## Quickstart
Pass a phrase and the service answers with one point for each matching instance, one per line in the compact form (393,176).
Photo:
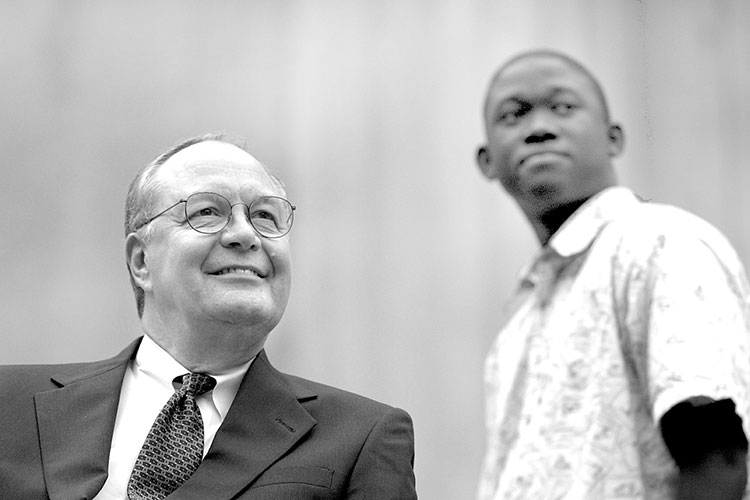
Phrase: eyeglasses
(209,213)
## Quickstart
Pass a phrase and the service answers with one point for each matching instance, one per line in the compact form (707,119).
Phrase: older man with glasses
(194,409)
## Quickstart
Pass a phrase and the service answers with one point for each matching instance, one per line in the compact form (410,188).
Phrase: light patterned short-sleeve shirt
(629,309)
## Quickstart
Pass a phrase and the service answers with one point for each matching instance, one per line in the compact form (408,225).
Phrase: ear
(616,139)
(484,162)
(137,261)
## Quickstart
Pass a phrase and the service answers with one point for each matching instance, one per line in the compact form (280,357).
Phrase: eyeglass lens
(271,216)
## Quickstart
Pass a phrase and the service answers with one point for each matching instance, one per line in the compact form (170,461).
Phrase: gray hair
(141,199)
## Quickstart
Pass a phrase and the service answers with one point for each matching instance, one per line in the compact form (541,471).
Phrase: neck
(207,349)
(551,219)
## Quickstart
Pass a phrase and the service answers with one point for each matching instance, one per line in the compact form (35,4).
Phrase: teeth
(237,270)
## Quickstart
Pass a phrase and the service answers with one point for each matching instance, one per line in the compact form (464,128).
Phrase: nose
(540,128)
(239,233)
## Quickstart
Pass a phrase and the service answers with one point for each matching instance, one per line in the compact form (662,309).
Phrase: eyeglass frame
(229,218)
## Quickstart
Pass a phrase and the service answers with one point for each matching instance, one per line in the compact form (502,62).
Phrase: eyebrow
(521,99)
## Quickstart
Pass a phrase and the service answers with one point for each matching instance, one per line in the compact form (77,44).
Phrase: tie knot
(196,384)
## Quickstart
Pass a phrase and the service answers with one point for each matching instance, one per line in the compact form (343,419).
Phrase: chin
(540,194)
(245,312)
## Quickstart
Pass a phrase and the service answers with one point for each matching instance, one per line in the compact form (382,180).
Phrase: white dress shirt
(146,388)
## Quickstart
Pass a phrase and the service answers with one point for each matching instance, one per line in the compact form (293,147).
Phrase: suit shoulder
(356,404)
(16,378)
(21,376)
(37,377)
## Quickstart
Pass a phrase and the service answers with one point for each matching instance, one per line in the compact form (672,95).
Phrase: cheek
(179,263)
(502,159)
(281,260)
(171,275)
(593,138)
(502,148)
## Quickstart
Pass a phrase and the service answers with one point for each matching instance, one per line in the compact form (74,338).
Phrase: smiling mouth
(238,270)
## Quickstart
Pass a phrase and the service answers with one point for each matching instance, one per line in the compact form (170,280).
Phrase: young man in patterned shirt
(624,370)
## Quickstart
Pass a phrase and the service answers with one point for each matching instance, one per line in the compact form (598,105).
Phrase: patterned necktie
(174,446)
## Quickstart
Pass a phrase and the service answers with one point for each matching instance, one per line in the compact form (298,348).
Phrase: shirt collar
(579,232)
(153,361)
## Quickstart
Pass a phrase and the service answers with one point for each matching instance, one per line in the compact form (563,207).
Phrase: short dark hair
(141,198)
(567,60)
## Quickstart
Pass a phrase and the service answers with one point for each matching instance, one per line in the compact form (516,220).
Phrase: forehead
(539,76)
(216,166)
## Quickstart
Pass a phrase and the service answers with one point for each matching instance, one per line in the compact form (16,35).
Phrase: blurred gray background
(370,110)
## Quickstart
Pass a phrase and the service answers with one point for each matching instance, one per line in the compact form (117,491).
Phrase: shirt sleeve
(697,341)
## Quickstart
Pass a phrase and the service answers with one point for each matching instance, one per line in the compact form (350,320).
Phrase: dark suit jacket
(283,438)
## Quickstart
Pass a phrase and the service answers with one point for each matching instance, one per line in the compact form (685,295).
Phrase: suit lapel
(75,425)
(263,423)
